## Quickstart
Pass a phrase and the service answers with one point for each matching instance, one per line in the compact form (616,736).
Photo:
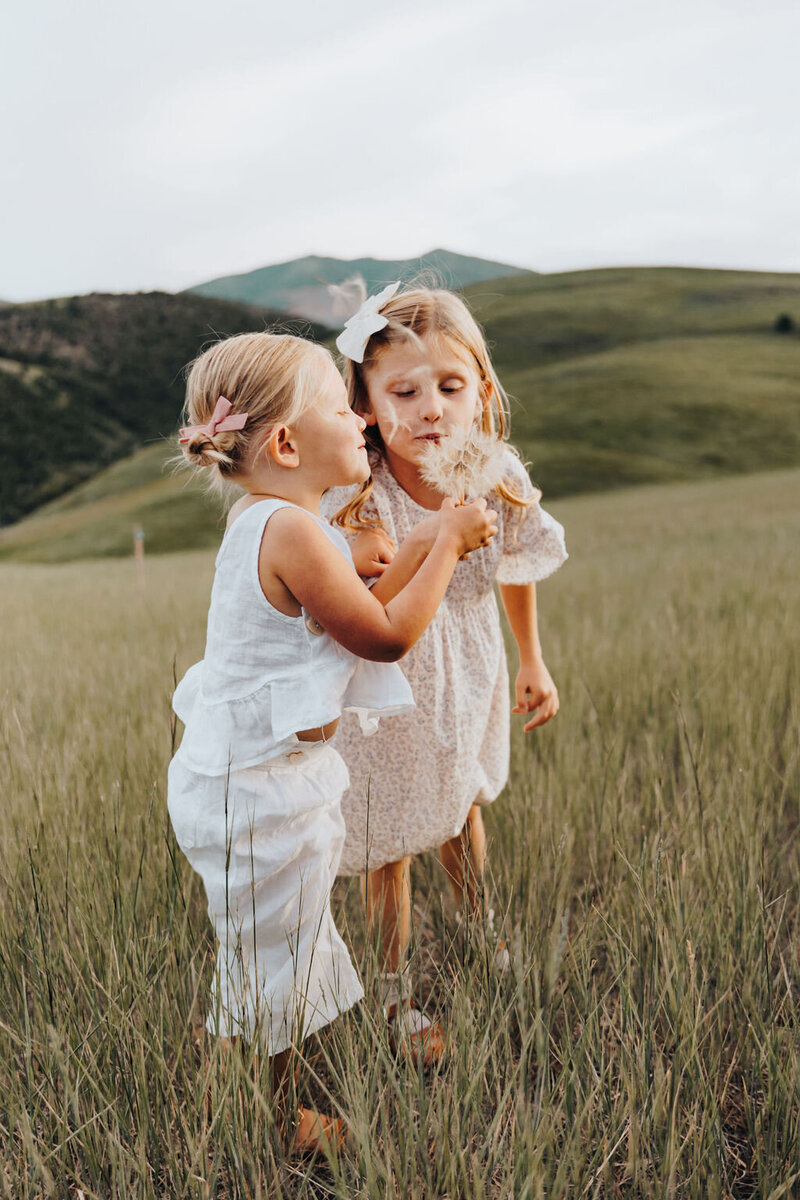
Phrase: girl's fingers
(541,718)
(544,706)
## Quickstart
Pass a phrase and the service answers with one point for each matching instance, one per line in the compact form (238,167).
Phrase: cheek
(469,409)
(389,420)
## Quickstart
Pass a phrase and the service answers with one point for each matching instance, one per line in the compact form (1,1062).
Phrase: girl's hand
(535,692)
(473,525)
(425,531)
(372,551)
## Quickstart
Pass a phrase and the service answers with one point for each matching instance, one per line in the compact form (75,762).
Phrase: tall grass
(644,865)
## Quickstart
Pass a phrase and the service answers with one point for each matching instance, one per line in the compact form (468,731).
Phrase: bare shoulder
(294,550)
(292,531)
(293,521)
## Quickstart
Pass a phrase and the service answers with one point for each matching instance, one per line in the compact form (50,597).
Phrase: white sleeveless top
(266,675)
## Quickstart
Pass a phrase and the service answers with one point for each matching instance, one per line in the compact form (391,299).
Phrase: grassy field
(644,864)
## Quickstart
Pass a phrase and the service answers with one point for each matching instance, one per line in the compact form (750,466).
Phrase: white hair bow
(352,341)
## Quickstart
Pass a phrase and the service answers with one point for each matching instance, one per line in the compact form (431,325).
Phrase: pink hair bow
(219,423)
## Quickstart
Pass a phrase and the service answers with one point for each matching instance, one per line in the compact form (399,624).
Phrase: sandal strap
(397,997)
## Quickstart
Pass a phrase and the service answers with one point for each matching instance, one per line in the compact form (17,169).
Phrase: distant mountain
(617,377)
(298,287)
(86,380)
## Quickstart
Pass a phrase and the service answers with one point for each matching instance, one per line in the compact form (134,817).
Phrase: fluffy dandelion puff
(466,463)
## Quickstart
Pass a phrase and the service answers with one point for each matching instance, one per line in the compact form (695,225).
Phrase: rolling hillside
(298,286)
(86,380)
(646,374)
(617,377)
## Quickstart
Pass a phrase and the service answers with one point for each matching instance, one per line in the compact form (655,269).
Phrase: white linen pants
(266,842)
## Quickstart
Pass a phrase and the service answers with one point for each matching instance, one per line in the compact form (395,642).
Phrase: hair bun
(202,451)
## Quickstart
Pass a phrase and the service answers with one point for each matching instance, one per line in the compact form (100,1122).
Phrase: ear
(280,446)
(365,411)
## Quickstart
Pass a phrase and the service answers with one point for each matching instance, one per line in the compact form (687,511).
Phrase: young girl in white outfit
(255,787)
(418,371)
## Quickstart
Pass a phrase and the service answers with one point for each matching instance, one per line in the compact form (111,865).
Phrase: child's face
(419,393)
(330,436)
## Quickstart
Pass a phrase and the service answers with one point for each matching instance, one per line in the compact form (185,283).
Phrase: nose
(431,405)
(362,424)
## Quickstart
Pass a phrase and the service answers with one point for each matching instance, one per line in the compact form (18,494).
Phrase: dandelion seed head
(467,463)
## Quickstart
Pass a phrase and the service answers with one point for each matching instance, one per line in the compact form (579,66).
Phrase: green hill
(298,286)
(87,379)
(97,519)
(542,318)
(646,374)
(617,377)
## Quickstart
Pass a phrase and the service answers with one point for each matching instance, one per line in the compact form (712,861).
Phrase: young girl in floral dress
(418,371)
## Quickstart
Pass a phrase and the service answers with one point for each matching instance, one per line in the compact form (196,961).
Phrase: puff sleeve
(533,541)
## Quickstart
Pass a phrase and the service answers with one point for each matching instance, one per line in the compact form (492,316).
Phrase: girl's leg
(313,1130)
(388,898)
(464,860)
(310,1131)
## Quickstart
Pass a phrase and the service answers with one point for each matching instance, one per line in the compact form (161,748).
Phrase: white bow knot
(352,341)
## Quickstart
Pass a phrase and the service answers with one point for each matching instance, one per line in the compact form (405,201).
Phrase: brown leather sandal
(315,1133)
(413,1036)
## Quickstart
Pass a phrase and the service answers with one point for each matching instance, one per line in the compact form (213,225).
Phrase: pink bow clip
(219,423)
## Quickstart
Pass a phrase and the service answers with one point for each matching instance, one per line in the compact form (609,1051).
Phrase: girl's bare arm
(407,560)
(533,687)
(297,553)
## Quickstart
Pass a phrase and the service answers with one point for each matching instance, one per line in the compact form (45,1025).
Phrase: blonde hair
(412,315)
(273,377)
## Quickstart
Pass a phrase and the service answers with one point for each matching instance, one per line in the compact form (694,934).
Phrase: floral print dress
(413,782)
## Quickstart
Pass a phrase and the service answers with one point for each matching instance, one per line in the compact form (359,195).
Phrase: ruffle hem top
(265,675)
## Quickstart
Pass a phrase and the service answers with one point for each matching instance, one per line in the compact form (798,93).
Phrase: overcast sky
(162,143)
